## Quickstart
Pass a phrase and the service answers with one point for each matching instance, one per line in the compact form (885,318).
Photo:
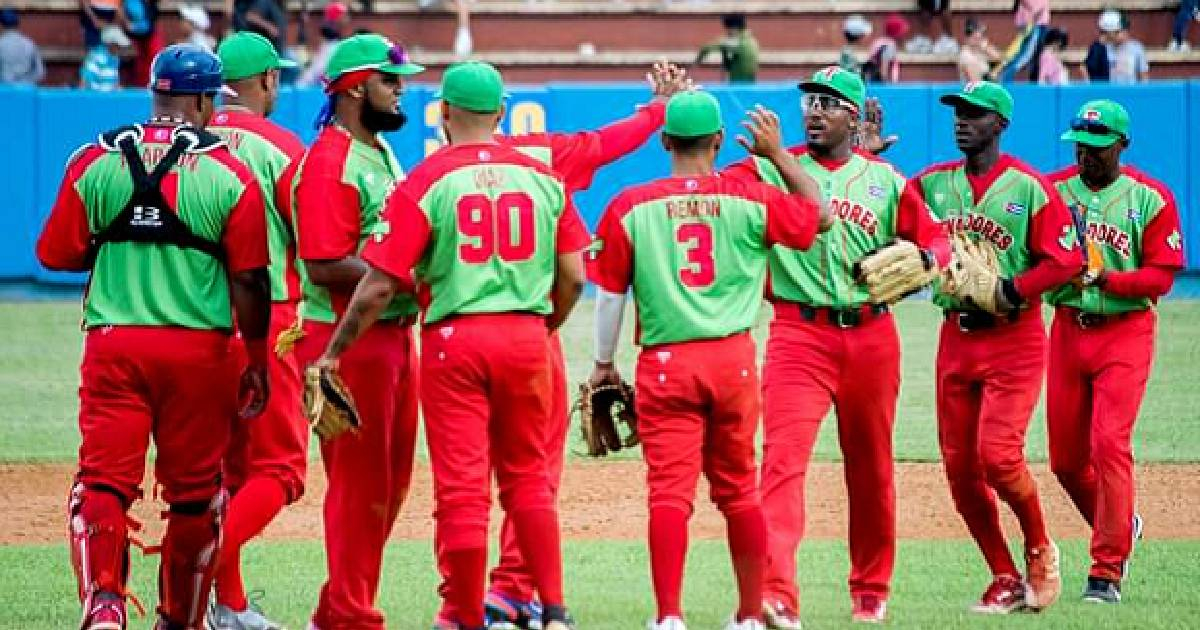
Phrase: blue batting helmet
(186,69)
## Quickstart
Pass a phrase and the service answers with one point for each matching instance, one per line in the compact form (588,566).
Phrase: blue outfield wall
(46,125)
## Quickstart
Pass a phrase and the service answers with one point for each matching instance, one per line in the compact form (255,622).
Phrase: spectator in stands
(1188,10)
(1096,66)
(883,64)
(1032,18)
(463,43)
(855,29)
(923,42)
(738,49)
(1048,66)
(20,59)
(101,69)
(1126,55)
(978,56)
(195,25)
(335,25)
(265,17)
(94,15)
(147,39)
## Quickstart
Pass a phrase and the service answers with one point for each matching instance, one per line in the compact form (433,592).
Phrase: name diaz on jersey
(983,226)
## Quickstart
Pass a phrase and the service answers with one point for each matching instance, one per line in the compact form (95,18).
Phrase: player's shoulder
(938,167)
(1063,174)
(1145,180)
(332,145)
(1033,177)
(282,138)
(636,195)
(83,157)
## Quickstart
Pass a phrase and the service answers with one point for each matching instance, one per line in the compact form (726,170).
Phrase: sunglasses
(1091,126)
(825,103)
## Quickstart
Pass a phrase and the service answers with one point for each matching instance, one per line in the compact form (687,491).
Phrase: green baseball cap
(1099,124)
(692,114)
(369,52)
(984,95)
(246,54)
(838,82)
(475,86)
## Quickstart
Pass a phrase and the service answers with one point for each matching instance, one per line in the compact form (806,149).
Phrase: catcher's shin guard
(99,538)
(189,561)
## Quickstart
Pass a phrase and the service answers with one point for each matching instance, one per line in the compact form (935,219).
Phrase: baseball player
(1102,338)
(830,345)
(989,366)
(146,203)
(693,248)
(340,188)
(575,158)
(266,462)
(495,239)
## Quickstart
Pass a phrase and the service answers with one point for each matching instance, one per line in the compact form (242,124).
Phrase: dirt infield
(606,500)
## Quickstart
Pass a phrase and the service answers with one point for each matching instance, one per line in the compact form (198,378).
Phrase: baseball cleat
(780,617)
(1137,535)
(745,624)
(869,608)
(107,613)
(1042,580)
(1006,594)
(1102,591)
(668,623)
(505,613)
(222,617)
(557,618)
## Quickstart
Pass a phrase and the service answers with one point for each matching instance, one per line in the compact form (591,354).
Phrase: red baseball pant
(698,408)
(987,385)
(811,366)
(178,387)
(488,377)
(1097,380)
(266,461)
(368,472)
(511,578)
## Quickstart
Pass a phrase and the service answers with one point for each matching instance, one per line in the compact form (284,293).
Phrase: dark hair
(853,38)
(688,144)
(734,20)
(972,26)
(9,17)
(1053,36)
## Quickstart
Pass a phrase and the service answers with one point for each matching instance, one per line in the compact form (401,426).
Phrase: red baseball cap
(335,11)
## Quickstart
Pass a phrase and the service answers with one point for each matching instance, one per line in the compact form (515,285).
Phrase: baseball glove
(328,404)
(895,271)
(601,409)
(974,273)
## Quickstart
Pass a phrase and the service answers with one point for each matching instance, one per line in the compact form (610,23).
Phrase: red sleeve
(791,220)
(743,170)
(1053,264)
(572,234)
(577,156)
(396,255)
(328,212)
(245,237)
(915,222)
(1162,257)
(63,244)
(283,192)
(1150,282)
(610,265)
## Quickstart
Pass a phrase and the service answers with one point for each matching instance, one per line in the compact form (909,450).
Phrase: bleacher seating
(540,40)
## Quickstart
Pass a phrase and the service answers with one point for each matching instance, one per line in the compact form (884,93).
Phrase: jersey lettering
(984,226)
(701,269)
(1111,235)
(855,213)
(504,227)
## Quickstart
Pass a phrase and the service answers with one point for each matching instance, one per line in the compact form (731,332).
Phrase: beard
(377,120)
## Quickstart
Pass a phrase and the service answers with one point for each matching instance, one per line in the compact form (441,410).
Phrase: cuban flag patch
(1013,207)
(1134,214)
(874,191)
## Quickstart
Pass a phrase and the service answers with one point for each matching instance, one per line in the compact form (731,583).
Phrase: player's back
(493,216)
(157,284)
(698,249)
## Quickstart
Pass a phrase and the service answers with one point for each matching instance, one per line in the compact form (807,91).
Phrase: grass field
(608,581)
(39,376)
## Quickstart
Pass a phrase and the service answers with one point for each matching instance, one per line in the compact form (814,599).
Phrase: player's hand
(667,79)
(604,374)
(871,128)
(766,137)
(253,392)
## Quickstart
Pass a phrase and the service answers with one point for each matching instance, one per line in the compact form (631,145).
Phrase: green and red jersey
(339,192)
(480,226)
(1135,223)
(872,205)
(575,157)
(695,251)
(1017,210)
(269,151)
(153,284)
